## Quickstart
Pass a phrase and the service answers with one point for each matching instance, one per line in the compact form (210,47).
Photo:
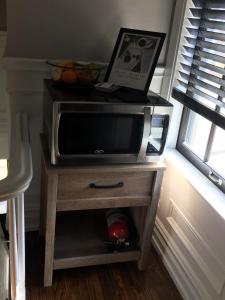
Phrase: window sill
(199,182)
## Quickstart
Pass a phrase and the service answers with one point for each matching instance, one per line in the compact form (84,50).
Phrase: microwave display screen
(99,133)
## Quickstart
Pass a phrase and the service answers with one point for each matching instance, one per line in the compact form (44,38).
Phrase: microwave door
(98,134)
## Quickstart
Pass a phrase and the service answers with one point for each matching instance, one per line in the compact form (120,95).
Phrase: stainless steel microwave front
(55,109)
(60,108)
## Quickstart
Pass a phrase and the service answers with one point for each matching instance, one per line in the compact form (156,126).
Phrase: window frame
(200,164)
(177,129)
(195,106)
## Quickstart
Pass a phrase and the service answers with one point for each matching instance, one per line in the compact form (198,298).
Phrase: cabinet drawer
(104,185)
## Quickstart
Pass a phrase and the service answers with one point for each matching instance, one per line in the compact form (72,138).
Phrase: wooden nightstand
(73,215)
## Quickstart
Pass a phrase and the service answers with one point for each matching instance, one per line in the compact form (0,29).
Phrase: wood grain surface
(95,187)
(50,227)
(134,183)
(106,282)
(106,202)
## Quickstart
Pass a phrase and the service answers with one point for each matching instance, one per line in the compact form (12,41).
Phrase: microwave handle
(165,132)
(145,136)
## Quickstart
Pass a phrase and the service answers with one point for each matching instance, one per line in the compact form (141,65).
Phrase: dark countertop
(62,92)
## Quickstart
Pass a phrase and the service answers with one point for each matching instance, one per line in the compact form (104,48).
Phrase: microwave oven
(95,127)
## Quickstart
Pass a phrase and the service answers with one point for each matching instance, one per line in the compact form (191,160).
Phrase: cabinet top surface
(60,93)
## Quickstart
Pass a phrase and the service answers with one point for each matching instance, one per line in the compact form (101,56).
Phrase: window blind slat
(209,3)
(211,24)
(194,22)
(203,44)
(193,31)
(197,63)
(183,84)
(207,86)
(189,59)
(207,55)
(192,91)
(189,50)
(212,14)
(186,68)
(191,41)
(208,76)
(183,75)
(196,12)
(211,46)
(211,35)
(203,33)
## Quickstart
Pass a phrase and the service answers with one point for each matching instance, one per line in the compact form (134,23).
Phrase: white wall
(190,225)
(85,30)
(189,231)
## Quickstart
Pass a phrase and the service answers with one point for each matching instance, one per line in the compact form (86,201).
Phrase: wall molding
(173,250)
(197,248)
(34,64)
(173,265)
(176,264)
(34,70)
(25,64)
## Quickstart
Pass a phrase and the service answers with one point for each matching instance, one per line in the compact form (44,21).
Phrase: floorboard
(107,282)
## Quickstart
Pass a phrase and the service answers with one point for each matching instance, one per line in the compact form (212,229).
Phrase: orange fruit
(69,76)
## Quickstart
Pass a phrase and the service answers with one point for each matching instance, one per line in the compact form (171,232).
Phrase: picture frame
(134,59)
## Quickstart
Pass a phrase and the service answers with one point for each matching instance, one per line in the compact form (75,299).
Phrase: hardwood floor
(107,282)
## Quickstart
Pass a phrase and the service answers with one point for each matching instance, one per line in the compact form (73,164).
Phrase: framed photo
(134,59)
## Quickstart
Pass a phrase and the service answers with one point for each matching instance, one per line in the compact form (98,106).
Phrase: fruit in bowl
(85,77)
(74,73)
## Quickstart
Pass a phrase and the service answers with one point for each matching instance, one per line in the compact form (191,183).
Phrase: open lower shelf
(79,241)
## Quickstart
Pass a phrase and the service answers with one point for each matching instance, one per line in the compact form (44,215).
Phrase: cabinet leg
(149,222)
(50,228)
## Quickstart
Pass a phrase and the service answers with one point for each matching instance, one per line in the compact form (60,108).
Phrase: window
(201,88)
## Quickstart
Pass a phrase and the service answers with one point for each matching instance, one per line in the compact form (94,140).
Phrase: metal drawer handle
(108,186)
(215,178)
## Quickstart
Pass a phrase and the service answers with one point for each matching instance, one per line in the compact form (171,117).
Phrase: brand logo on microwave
(99,151)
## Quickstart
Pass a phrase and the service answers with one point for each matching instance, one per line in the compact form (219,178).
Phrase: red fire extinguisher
(118,228)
